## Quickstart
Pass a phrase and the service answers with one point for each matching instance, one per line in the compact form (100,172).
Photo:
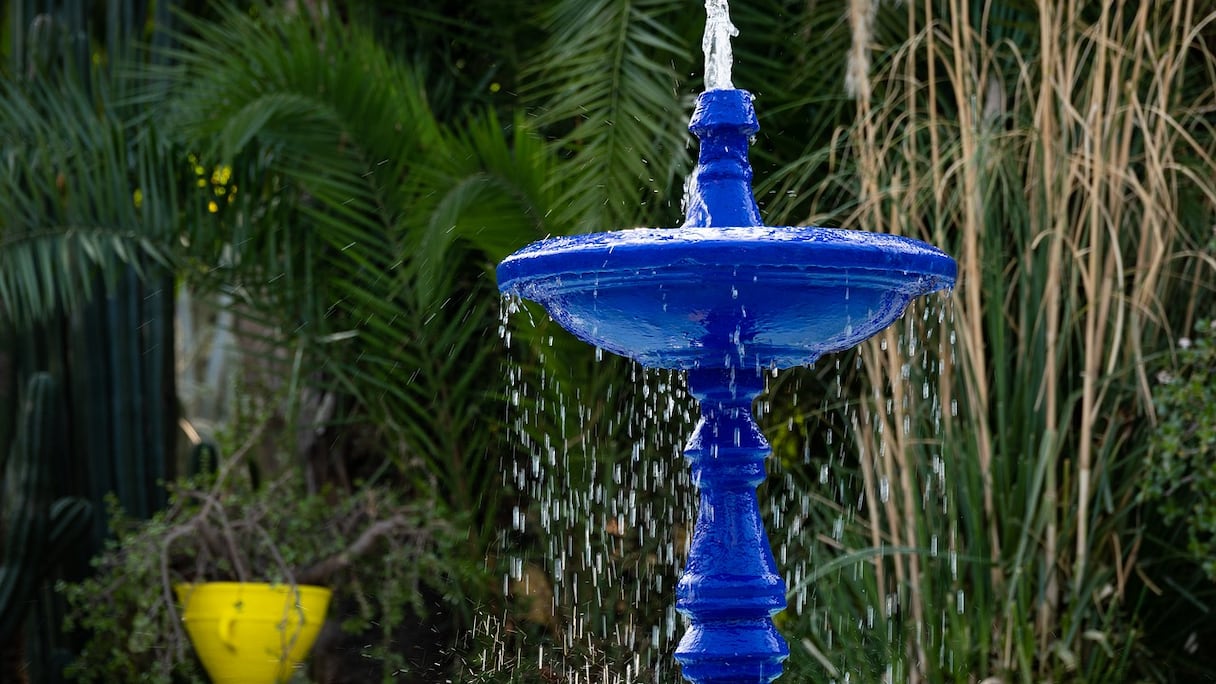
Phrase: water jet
(726,299)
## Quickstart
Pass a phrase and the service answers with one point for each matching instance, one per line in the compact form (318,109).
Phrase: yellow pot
(252,633)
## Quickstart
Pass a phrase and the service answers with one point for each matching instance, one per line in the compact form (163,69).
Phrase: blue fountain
(726,299)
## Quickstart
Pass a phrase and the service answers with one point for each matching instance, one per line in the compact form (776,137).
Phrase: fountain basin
(737,297)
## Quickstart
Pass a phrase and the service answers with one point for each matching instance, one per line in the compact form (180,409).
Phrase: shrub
(1181,476)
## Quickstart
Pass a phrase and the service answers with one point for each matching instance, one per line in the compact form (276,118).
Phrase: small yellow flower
(138,198)
(213,207)
(221,175)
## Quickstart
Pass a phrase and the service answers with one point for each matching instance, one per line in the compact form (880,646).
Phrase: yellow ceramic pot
(252,633)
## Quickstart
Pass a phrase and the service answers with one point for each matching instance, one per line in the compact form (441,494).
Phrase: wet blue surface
(750,297)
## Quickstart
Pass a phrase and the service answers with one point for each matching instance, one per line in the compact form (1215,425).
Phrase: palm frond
(81,191)
(363,228)
(490,188)
(792,55)
(318,139)
(607,86)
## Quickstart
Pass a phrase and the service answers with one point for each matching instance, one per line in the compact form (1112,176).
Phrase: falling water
(605,505)
(716,45)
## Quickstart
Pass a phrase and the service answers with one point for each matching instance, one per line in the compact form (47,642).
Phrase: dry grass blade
(1052,152)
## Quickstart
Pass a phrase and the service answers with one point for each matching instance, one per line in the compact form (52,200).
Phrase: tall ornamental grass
(1063,152)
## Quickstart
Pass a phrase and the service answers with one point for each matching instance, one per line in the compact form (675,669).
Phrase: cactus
(36,527)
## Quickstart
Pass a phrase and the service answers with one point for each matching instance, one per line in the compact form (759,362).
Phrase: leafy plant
(365,227)
(605,81)
(1180,479)
(86,189)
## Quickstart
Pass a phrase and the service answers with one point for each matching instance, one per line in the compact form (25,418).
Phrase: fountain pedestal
(730,588)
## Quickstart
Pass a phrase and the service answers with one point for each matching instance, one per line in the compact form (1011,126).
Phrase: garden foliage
(1181,476)
(978,495)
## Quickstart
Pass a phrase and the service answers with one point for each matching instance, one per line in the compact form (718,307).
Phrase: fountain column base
(730,588)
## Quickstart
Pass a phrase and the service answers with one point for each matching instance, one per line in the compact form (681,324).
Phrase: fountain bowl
(735,297)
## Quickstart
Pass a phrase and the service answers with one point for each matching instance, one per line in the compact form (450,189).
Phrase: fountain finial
(718,193)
